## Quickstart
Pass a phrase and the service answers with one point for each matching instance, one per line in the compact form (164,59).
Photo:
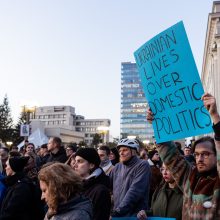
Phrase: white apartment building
(62,121)
(211,60)
(92,126)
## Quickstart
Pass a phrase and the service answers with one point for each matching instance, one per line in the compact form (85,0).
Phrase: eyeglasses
(204,155)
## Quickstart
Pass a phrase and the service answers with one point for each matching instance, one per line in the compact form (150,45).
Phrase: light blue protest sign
(148,218)
(172,85)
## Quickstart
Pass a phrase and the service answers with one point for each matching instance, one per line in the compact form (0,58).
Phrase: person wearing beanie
(95,182)
(18,202)
(154,162)
(130,180)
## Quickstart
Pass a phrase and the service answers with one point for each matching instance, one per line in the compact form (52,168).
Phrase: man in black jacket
(57,151)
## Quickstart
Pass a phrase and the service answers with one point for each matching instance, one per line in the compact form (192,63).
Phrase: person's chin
(201,168)
(123,159)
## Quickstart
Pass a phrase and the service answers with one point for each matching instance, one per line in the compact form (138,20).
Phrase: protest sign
(24,130)
(172,85)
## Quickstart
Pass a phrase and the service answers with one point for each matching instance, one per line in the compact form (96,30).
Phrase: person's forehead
(30,145)
(124,148)
(204,146)
(50,140)
(101,151)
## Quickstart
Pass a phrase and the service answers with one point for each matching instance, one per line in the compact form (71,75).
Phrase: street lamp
(131,137)
(28,113)
(9,143)
(104,131)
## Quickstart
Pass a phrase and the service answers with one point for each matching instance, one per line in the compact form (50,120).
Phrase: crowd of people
(56,182)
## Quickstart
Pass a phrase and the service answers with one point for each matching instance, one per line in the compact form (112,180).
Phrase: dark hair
(57,140)
(14,154)
(43,146)
(31,144)
(5,149)
(105,148)
(202,140)
(114,150)
(73,147)
(14,147)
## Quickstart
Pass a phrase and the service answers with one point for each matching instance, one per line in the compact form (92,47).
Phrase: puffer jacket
(77,208)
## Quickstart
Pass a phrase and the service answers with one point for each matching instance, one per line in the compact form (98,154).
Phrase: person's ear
(91,166)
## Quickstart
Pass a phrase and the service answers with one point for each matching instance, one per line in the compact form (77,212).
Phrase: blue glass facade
(133,105)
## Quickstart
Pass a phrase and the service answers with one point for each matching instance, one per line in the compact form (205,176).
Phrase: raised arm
(210,104)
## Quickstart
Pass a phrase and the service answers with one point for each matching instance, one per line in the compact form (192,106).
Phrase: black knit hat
(17,164)
(151,153)
(89,154)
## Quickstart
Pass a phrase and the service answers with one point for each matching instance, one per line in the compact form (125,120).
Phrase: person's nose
(200,157)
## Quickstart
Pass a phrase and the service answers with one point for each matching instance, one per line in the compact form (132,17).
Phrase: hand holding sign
(172,86)
(210,104)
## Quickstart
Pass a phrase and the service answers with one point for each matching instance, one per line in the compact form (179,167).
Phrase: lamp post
(28,113)
(103,131)
(9,143)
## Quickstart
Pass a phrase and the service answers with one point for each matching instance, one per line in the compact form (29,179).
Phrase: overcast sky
(69,52)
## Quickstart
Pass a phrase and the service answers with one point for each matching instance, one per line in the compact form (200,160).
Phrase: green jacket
(167,202)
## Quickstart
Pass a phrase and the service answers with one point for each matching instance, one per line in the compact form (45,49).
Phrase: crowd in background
(68,182)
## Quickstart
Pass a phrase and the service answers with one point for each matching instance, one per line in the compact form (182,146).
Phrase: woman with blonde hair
(61,189)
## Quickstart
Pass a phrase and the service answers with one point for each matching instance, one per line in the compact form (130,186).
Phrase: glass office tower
(133,105)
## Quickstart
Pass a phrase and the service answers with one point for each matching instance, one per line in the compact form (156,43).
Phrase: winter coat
(130,183)
(167,202)
(18,201)
(41,160)
(97,190)
(201,200)
(78,208)
(60,156)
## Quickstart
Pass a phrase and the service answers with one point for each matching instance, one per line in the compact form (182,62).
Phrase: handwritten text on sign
(172,85)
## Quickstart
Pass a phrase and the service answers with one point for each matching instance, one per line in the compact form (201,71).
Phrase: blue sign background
(172,85)
(148,218)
